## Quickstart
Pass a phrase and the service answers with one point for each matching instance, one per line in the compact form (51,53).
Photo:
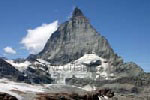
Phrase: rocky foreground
(94,95)
(105,94)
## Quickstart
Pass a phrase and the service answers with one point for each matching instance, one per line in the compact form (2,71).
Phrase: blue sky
(125,23)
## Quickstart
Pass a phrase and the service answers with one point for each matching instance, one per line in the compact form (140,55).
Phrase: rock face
(38,76)
(7,70)
(73,39)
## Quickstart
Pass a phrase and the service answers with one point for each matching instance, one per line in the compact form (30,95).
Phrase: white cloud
(36,39)
(9,50)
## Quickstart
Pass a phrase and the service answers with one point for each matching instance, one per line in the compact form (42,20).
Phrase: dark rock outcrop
(93,63)
(8,71)
(6,96)
(38,76)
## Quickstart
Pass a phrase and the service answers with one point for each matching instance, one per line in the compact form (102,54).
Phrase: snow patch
(89,88)
(7,86)
(20,66)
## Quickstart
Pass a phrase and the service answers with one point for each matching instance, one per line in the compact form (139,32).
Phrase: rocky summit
(73,39)
(76,38)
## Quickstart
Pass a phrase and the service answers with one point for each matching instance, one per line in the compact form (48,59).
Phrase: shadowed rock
(5,96)
(77,12)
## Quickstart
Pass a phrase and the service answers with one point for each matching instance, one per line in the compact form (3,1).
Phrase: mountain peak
(73,39)
(77,12)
